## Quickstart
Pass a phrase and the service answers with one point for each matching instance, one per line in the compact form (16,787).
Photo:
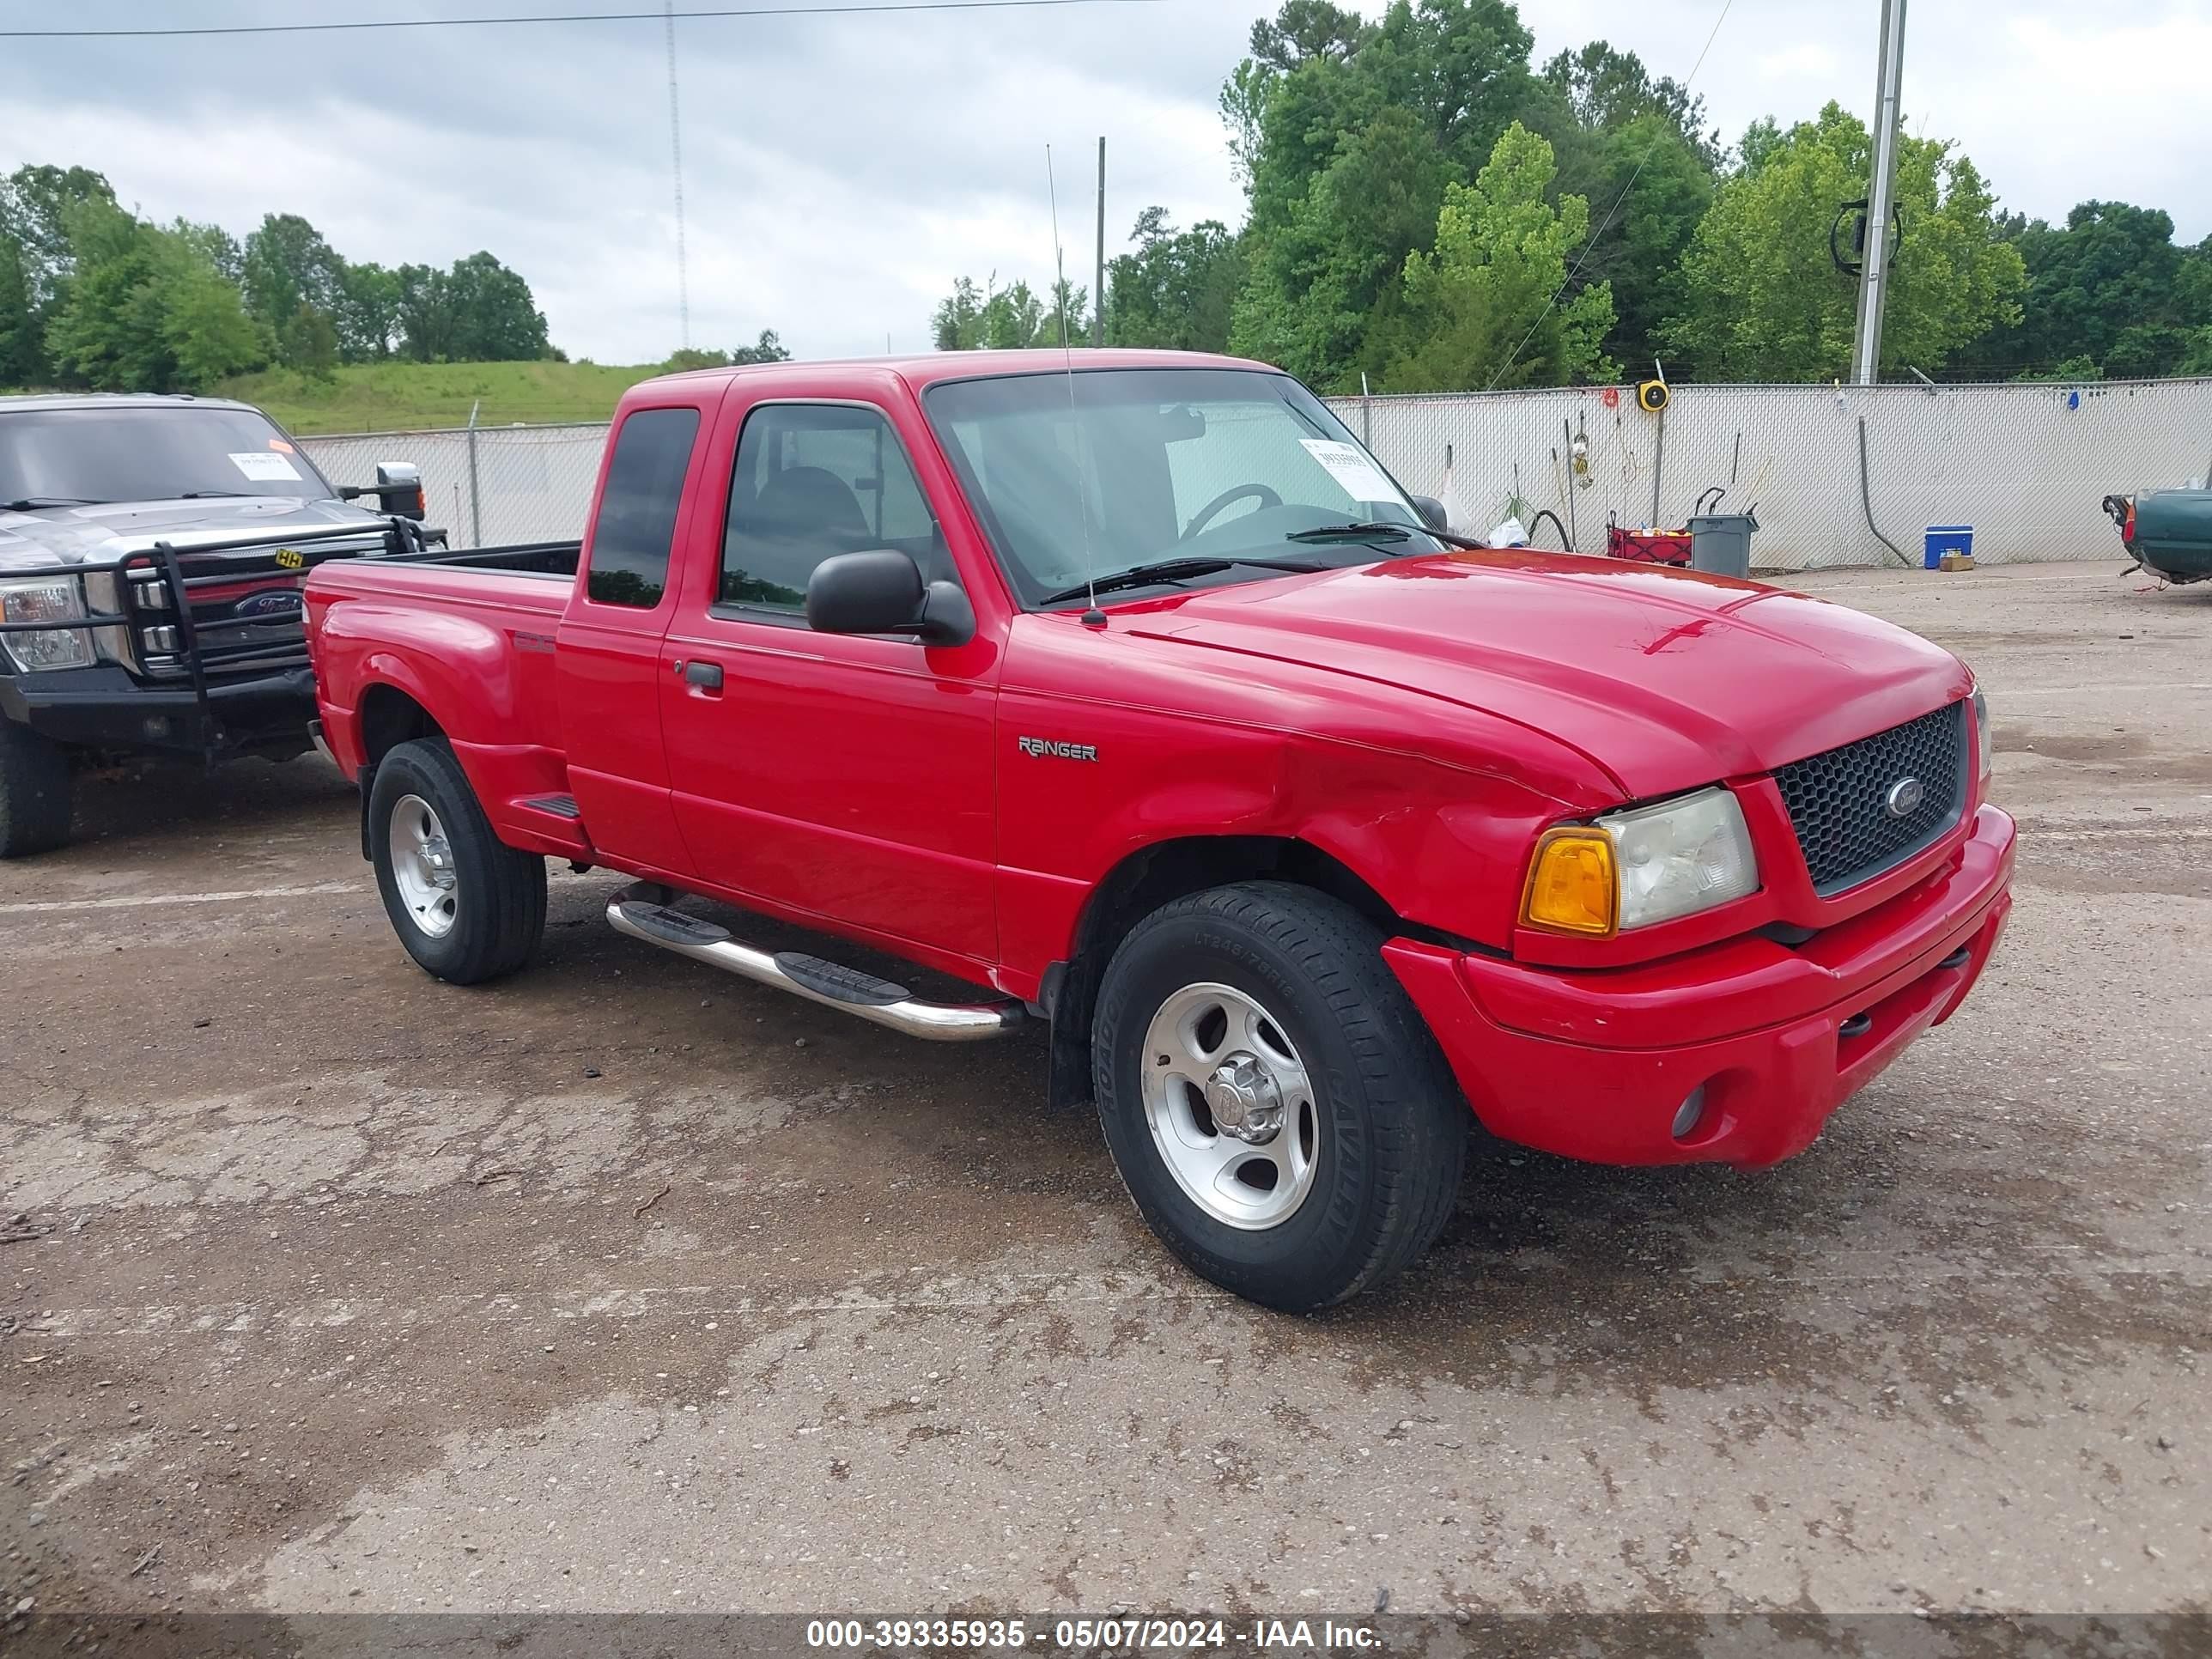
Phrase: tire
(486,920)
(1365,1165)
(35,792)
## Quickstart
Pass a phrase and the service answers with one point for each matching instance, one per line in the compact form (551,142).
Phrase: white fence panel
(2025,465)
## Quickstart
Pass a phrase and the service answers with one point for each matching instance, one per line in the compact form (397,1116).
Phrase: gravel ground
(625,1286)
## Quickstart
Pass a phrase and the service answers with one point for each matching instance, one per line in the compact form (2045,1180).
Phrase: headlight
(46,599)
(1982,732)
(1647,864)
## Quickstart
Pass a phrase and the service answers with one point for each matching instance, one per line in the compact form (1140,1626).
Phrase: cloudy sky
(841,171)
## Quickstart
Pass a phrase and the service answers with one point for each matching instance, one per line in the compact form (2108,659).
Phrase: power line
(1590,247)
(847,8)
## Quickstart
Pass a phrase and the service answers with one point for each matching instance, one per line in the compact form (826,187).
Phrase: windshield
(66,456)
(1087,475)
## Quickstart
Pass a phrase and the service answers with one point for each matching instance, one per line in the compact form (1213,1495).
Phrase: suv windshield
(69,455)
(1086,477)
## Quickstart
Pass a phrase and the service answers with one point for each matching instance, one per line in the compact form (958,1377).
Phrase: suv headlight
(1982,732)
(1649,864)
(44,600)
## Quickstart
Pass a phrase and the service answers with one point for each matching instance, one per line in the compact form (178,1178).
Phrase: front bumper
(103,707)
(1595,1065)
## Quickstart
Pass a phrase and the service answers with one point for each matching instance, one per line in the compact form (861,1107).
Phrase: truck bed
(528,576)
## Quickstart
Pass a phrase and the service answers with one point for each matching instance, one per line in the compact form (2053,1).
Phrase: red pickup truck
(1137,696)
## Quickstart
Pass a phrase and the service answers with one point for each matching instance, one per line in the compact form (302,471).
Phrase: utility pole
(1874,272)
(675,156)
(1098,272)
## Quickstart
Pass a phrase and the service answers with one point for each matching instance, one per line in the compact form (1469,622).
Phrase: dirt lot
(624,1285)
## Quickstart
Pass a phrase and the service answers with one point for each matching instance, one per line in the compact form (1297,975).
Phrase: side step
(637,912)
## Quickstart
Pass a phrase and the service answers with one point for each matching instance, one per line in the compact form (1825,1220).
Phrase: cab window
(814,480)
(638,505)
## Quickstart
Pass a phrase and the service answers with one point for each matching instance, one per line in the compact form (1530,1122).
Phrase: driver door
(836,778)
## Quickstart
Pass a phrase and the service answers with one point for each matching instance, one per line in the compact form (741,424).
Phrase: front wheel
(35,792)
(467,906)
(1276,1107)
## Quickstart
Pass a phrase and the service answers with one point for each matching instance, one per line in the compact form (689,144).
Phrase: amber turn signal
(1572,885)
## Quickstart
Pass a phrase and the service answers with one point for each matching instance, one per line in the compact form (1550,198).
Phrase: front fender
(1443,844)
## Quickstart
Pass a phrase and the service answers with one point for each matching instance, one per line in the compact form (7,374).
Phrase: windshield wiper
(203,495)
(1373,530)
(32,503)
(1171,570)
(1377,530)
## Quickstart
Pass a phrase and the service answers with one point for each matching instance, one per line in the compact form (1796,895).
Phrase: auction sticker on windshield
(265,465)
(1357,475)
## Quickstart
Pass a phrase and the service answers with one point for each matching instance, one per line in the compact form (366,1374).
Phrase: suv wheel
(1274,1103)
(35,792)
(467,906)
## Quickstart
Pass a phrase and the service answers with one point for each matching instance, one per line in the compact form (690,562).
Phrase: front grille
(1838,800)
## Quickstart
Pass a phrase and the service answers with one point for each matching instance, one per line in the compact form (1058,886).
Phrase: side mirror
(398,489)
(1431,511)
(881,591)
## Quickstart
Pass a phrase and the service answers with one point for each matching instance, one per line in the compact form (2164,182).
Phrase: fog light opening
(1690,1114)
(156,728)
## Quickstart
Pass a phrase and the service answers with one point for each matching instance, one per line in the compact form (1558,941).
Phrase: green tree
(21,357)
(478,312)
(495,318)
(1016,318)
(286,268)
(1314,286)
(1605,88)
(1761,300)
(769,348)
(1648,188)
(148,309)
(35,202)
(1461,65)
(1479,311)
(308,342)
(1177,289)
(368,315)
(2108,286)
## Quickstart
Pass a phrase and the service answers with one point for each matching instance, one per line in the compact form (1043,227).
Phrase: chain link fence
(2025,465)
(485,485)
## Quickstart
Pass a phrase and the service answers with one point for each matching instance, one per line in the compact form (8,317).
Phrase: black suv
(152,552)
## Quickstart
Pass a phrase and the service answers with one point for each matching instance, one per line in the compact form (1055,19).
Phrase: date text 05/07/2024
(1076,1635)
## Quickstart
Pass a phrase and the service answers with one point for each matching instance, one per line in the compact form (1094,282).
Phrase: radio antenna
(1092,616)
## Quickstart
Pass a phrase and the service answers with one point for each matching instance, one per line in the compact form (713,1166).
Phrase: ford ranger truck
(151,553)
(1136,696)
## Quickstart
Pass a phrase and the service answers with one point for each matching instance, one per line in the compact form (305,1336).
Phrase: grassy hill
(399,396)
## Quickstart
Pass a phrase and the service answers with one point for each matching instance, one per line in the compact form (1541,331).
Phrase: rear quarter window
(636,522)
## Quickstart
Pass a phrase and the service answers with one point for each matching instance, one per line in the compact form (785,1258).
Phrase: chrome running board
(637,912)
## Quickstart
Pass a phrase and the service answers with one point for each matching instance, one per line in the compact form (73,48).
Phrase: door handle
(707,676)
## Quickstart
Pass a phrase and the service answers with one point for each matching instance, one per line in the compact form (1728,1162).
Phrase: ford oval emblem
(1904,798)
(280,602)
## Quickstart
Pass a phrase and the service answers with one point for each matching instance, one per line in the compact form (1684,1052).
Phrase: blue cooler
(1947,538)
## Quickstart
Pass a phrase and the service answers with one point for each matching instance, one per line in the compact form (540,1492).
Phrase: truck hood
(73,534)
(1665,680)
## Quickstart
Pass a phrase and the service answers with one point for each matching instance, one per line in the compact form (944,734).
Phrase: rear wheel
(467,906)
(1276,1108)
(35,792)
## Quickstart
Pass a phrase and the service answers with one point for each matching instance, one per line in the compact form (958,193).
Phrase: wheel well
(389,717)
(1159,875)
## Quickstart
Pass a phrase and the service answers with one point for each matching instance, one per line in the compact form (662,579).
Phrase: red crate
(1648,546)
